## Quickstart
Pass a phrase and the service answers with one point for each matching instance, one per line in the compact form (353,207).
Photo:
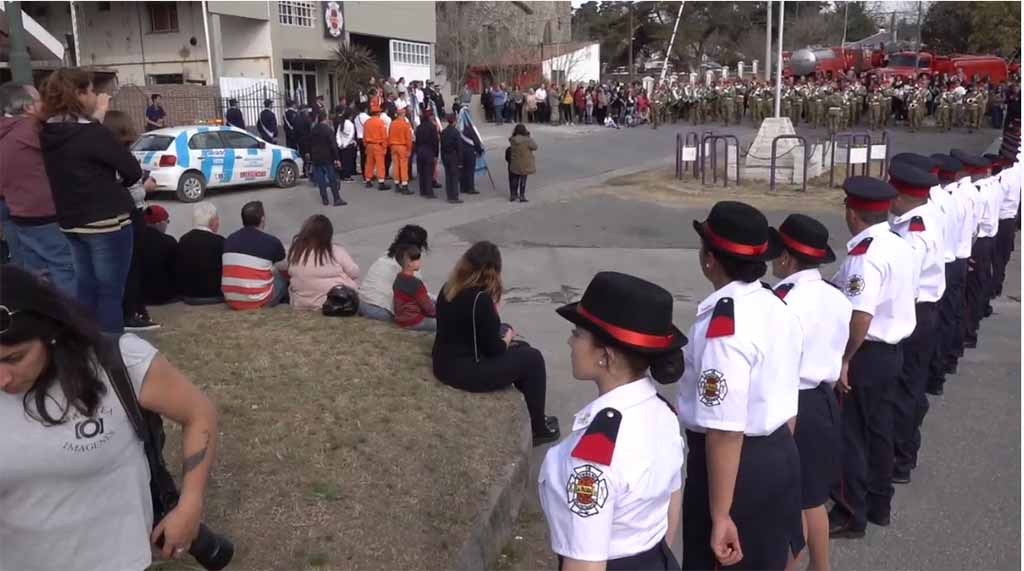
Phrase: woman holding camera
(78,496)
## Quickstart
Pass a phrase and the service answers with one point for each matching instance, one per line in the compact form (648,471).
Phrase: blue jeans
(101,265)
(499,114)
(44,251)
(370,311)
(325,176)
(280,291)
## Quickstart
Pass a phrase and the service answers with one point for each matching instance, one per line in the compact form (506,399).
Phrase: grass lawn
(338,448)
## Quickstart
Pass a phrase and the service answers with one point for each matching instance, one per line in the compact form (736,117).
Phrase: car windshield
(907,60)
(152,143)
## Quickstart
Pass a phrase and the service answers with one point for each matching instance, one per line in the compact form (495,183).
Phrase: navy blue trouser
(909,398)
(948,324)
(979,282)
(867,449)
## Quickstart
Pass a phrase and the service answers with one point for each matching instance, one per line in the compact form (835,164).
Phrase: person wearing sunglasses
(74,480)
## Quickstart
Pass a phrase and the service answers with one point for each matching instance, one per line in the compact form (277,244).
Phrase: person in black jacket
(303,127)
(234,116)
(199,264)
(471,148)
(323,152)
(90,172)
(473,351)
(451,156)
(290,113)
(268,122)
(427,147)
(158,281)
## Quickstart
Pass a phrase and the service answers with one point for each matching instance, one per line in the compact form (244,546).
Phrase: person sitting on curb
(157,265)
(254,264)
(199,264)
(413,307)
(375,292)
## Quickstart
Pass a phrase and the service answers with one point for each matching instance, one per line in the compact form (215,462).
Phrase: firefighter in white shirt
(979,273)
(611,491)
(919,222)
(877,278)
(1009,181)
(824,314)
(958,241)
(741,503)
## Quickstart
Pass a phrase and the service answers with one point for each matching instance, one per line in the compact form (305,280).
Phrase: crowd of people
(789,395)
(611,105)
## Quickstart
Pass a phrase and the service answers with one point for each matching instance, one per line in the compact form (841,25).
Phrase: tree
(947,26)
(354,66)
(995,28)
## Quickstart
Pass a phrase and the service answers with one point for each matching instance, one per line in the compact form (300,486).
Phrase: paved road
(963,509)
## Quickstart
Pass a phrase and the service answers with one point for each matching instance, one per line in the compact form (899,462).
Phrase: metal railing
(775,141)
(714,157)
(852,138)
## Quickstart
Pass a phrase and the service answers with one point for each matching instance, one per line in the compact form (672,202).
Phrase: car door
(208,153)
(248,161)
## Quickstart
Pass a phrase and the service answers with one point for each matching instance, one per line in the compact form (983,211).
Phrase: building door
(300,81)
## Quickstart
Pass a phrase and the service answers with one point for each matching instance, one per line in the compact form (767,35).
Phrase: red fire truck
(903,63)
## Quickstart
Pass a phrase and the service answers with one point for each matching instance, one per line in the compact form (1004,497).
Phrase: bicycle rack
(714,157)
(803,141)
(852,138)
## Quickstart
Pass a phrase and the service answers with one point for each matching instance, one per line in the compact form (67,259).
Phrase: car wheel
(287,173)
(191,187)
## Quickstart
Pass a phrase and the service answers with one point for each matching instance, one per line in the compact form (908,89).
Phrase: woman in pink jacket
(316,264)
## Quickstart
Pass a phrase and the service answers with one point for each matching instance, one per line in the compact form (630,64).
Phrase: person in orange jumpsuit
(376,100)
(400,142)
(375,137)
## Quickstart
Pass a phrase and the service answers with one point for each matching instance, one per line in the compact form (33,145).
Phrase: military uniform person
(741,381)
(916,106)
(740,101)
(756,111)
(888,93)
(1010,182)
(920,223)
(875,108)
(834,107)
(944,111)
(611,490)
(786,108)
(972,110)
(801,246)
(727,99)
(877,277)
(796,105)
(818,105)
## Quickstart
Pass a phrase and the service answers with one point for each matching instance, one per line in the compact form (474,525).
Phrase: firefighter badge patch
(587,490)
(711,387)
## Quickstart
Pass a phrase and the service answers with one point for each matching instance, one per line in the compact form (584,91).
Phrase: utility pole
(917,48)
(768,44)
(21,62)
(778,62)
(630,43)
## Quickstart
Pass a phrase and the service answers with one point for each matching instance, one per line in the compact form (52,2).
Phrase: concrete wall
(246,47)
(412,21)
(245,9)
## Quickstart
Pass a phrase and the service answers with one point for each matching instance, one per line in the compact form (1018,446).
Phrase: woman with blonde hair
(316,264)
(474,351)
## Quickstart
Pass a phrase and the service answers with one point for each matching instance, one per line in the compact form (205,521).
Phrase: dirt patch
(660,185)
(530,547)
(338,448)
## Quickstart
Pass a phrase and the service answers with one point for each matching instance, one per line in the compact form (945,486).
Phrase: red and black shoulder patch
(723,319)
(783,290)
(861,248)
(917,224)
(598,443)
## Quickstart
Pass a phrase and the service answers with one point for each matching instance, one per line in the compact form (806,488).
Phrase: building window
(163,16)
(166,79)
(410,53)
(295,13)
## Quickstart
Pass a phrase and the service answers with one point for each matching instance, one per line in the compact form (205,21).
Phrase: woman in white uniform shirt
(611,489)
(741,507)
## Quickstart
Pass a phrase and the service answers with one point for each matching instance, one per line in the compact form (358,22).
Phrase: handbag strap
(117,372)
(476,352)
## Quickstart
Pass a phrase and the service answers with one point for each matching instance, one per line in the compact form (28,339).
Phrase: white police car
(190,159)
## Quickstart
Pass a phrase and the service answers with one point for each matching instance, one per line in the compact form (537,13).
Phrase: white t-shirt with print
(76,495)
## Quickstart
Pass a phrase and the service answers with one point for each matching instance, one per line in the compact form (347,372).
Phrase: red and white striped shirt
(247,281)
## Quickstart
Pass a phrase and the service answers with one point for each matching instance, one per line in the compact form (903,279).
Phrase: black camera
(211,550)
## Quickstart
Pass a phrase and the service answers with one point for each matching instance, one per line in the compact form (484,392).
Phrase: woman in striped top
(90,172)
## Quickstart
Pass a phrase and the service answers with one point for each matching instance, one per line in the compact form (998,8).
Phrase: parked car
(191,159)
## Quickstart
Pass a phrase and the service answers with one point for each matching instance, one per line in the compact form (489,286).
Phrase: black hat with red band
(804,238)
(922,162)
(627,311)
(867,193)
(948,166)
(910,180)
(973,164)
(738,230)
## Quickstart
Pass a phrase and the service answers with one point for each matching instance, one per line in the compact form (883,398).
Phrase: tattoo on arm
(193,460)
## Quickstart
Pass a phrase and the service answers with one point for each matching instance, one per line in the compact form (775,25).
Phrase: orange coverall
(375,137)
(400,141)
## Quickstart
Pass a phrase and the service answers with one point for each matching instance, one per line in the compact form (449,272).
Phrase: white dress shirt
(967,220)
(824,314)
(992,196)
(346,136)
(944,204)
(928,249)
(596,511)
(748,381)
(880,282)
(1009,181)
(361,119)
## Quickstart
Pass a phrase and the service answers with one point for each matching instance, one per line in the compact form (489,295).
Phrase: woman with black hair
(521,162)
(621,468)
(78,496)
(741,506)
(376,291)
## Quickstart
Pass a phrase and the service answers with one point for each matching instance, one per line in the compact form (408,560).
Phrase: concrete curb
(493,527)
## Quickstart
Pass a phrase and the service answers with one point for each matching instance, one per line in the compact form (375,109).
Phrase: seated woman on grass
(475,352)
(377,289)
(316,264)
